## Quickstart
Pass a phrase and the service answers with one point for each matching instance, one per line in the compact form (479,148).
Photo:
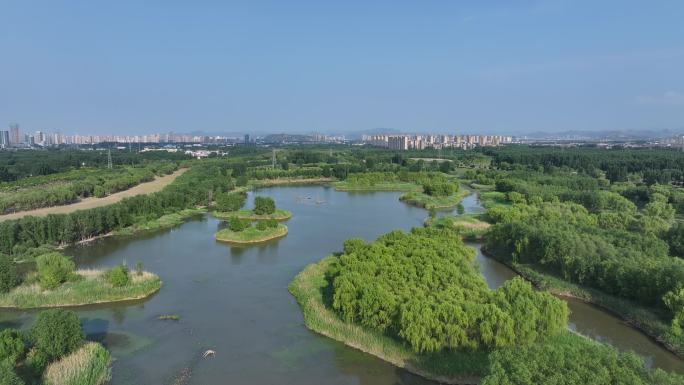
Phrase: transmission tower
(273,160)
(109,158)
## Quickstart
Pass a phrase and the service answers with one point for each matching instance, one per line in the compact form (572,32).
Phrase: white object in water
(209,353)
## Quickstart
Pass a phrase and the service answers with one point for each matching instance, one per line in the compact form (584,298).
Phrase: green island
(55,283)
(278,215)
(251,234)
(52,352)
(436,199)
(444,323)
(472,227)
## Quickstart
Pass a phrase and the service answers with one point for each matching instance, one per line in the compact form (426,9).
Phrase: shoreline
(633,323)
(323,321)
(249,215)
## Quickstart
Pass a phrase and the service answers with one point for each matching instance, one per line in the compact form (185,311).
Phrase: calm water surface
(235,300)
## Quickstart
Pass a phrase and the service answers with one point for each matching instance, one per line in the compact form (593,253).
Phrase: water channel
(235,300)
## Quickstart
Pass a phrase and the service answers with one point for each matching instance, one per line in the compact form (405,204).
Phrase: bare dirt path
(89,203)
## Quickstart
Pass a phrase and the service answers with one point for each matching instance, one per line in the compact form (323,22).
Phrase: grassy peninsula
(84,287)
(164,222)
(251,235)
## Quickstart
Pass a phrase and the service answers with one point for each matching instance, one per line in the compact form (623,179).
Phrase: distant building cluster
(420,142)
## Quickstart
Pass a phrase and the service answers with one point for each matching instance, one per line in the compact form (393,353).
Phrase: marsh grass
(89,365)
(91,288)
(470,226)
(309,288)
(434,202)
(251,235)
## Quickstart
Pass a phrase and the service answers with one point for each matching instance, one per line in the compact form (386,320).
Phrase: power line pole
(109,158)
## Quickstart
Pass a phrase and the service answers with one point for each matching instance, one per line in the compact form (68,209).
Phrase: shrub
(117,276)
(139,268)
(9,278)
(271,223)
(99,192)
(12,345)
(230,201)
(262,225)
(7,374)
(236,224)
(53,269)
(264,205)
(89,365)
(56,333)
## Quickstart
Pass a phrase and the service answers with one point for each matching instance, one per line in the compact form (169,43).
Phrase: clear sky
(297,66)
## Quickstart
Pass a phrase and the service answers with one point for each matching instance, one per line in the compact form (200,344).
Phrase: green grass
(91,288)
(89,365)
(251,235)
(388,186)
(455,367)
(163,222)
(279,215)
(434,202)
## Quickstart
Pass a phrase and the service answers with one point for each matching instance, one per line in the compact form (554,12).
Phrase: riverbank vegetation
(52,352)
(70,186)
(445,323)
(264,208)
(166,221)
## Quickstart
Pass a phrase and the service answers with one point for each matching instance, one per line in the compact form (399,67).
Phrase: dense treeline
(569,360)
(654,166)
(196,187)
(16,165)
(443,302)
(63,188)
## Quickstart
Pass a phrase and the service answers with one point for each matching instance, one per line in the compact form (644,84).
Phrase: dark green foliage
(7,374)
(264,205)
(271,223)
(139,268)
(53,269)
(56,333)
(236,224)
(230,201)
(12,345)
(261,225)
(570,360)
(440,189)
(9,277)
(675,239)
(443,301)
(118,276)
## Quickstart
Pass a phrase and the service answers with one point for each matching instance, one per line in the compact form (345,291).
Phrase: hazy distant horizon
(498,67)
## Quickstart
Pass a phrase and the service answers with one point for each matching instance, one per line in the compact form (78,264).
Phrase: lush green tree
(56,333)
(264,205)
(236,224)
(9,277)
(261,225)
(53,269)
(230,201)
(675,239)
(443,301)
(118,276)
(12,345)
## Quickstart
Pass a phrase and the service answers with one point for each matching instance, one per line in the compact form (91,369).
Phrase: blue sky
(333,66)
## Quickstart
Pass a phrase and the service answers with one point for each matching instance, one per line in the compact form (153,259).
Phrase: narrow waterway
(585,318)
(235,300)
